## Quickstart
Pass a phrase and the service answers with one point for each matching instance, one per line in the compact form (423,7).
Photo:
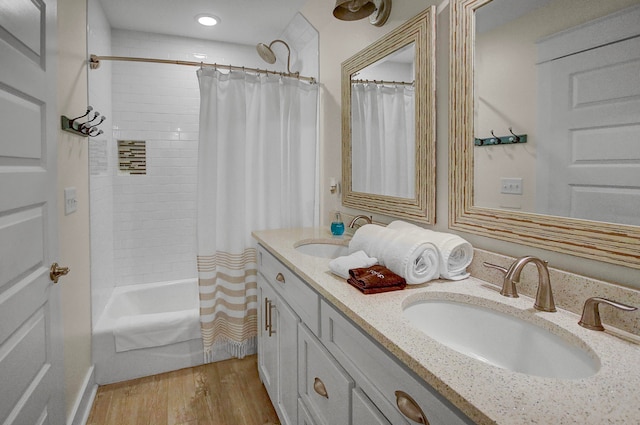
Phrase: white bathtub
(148,329)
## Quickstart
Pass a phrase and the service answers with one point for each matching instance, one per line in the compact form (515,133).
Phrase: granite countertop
(485,393)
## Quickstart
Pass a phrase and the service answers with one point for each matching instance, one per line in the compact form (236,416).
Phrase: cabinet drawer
(304,417)
(324,387)
(364,412)
(304,301)
(381,375)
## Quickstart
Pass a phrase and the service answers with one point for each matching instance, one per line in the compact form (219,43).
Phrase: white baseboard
(82,407)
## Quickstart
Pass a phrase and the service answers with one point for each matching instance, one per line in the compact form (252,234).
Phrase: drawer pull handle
(318,386)
(410,408)
(280,277)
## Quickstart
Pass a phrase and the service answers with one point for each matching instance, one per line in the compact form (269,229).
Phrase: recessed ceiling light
(207,20)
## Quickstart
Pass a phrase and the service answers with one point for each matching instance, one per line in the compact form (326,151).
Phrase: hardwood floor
(222,393)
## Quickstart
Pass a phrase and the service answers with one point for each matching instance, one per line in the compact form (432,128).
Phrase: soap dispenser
(337,226)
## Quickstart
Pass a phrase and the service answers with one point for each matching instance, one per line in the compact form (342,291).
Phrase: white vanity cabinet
(283,299)
(319,368)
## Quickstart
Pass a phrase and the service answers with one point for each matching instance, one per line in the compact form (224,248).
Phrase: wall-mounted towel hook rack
(501,140)
(84,129)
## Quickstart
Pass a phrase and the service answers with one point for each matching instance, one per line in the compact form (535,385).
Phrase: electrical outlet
(70,200)
(511,185)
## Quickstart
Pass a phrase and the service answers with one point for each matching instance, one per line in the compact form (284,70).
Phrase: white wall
(74,228)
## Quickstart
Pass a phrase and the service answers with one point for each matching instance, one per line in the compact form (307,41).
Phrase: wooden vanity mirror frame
(421,31)
(611,243)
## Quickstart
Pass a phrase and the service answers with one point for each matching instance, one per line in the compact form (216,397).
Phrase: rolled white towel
(341,265)
(366,239)
(455,253)
(403,253)
(412,258)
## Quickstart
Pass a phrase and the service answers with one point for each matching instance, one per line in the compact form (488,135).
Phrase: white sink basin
(502,340)
(325,248)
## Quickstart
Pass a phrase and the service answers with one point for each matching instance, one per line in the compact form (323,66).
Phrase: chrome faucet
(591,315)
(544,296)
(358,217)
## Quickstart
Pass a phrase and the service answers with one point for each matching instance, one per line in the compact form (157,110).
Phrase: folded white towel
(455,253)
(401,252)
(341,265)
(154,330)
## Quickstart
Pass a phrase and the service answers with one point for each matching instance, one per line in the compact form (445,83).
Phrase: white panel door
(31,380)
(589,149)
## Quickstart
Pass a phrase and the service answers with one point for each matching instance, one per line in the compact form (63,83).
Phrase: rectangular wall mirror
(388,123)
(545,124)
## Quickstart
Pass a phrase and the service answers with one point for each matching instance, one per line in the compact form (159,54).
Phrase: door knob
(56,271)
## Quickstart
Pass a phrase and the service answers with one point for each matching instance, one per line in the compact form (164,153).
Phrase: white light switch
(511,185)
(70,201)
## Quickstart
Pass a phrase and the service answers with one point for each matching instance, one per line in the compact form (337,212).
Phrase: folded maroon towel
(375,279)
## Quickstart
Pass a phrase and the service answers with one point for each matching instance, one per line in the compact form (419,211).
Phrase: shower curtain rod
(94,63)
(397,83)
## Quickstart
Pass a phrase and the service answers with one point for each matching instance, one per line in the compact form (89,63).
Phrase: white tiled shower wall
(155,214)
(151,233)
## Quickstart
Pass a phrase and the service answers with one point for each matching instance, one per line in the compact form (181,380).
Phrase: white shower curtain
(256,170)
(383,139)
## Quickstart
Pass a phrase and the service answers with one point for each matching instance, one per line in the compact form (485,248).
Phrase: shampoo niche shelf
(84,129)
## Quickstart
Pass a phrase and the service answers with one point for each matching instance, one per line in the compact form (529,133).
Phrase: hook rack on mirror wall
(501,140)
(86,128)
